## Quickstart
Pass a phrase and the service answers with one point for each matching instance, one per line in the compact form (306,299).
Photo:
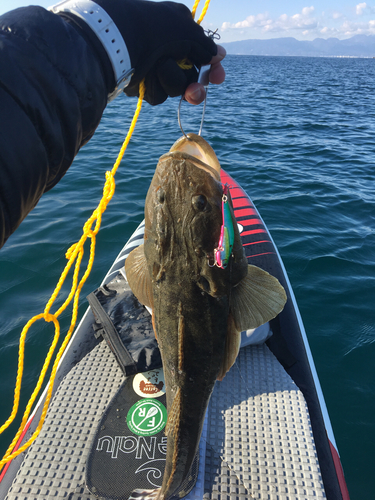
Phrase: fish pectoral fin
(258,298)
(138,276)
(232,346)
(174,414)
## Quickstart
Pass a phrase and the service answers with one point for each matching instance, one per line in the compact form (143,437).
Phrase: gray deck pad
(257,441)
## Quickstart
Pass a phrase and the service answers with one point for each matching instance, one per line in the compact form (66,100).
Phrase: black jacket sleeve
(53,91)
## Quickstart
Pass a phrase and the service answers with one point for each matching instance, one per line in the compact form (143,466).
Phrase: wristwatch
(107,32)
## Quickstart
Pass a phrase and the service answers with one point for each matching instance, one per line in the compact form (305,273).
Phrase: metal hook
(203,112)
(202,120)
(179,117)
(203,78)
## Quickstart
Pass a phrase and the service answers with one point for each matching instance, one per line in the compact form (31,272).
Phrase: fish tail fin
(140,494)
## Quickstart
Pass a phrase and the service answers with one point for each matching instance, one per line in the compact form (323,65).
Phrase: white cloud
(306,24)
(360,8)
(336,15)
(363,9)
(349,28)
(328,32)
(301,21)
(307,10)
(253,21)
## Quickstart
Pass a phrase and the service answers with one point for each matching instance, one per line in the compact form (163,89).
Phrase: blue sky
(304,20)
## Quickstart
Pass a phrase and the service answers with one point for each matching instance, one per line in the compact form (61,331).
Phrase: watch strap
(107,32)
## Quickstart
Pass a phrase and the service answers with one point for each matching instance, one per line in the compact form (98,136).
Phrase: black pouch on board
(128,451)
(126,326)
(129,448)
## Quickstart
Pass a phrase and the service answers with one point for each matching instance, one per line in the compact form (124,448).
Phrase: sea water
(299,135)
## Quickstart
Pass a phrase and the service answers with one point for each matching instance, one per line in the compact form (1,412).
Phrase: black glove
(157,35)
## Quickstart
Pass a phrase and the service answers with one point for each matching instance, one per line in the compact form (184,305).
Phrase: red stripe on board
(7,465)
(259,254)
(236,192)
(250,222)
(245,211)
(339,472)
(256,242)
(253,231)
(242,202)
(225,177)
(239,198)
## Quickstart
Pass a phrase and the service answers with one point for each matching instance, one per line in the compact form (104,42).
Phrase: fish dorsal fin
(171,428)
(257,298)
(138,276)
(232,346)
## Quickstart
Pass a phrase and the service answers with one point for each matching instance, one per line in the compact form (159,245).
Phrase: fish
(199,308)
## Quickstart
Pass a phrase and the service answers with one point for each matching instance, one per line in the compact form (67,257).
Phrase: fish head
(183,217)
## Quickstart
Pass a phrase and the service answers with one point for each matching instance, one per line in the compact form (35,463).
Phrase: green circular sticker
(147,417)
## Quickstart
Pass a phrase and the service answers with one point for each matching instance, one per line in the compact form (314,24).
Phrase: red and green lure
(224,250)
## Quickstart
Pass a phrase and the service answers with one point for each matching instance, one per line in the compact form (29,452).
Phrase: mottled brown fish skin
(191,299)
(199,310)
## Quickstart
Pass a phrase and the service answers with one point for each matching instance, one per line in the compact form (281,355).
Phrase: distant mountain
(357,46)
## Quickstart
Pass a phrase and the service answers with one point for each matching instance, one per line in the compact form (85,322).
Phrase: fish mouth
(197,150)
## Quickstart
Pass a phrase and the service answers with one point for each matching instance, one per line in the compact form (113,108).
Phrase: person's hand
(195,92)
(158,35)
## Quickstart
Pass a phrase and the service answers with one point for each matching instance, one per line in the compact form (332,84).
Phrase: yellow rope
(74,255)
(185,63)
(194,9)
(204,11)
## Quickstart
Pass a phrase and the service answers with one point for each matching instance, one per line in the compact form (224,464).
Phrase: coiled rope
(74,256)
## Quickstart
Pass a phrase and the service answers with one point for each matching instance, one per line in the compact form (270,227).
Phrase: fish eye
(199,202)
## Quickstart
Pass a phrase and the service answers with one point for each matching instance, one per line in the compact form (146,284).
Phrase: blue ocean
(298,134)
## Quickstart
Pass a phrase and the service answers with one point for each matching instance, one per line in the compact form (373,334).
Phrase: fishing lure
(223,252)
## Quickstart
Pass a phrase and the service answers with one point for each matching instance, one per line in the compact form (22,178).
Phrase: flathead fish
(199,309)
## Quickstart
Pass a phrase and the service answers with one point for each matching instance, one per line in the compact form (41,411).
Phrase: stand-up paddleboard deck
(257,440)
